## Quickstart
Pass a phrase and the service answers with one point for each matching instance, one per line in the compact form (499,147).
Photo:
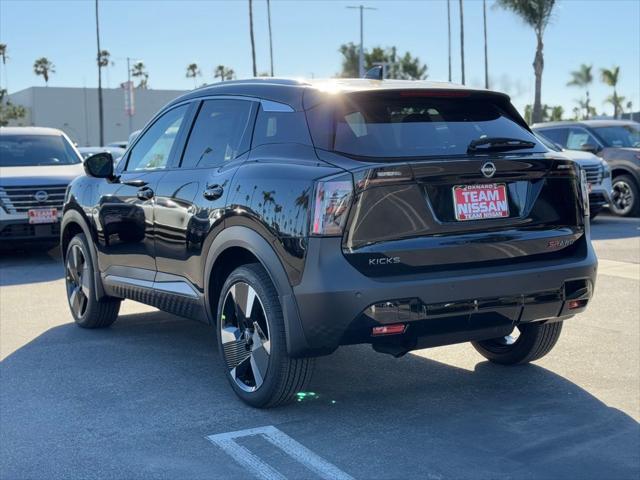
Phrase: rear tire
(87,311)
(252,342)
(534,342)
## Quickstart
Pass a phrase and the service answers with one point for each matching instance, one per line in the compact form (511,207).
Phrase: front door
(124,216)
(191,198)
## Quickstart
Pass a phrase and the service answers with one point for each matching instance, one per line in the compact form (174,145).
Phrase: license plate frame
(42,216)
(484,201)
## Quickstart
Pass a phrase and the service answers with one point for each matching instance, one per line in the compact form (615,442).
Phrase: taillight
(331,207)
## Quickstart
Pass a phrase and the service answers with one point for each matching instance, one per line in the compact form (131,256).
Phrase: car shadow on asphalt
(30,264)
(612,228)
(137,400)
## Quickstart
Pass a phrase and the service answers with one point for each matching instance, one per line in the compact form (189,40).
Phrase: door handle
(145,193)
(213,192)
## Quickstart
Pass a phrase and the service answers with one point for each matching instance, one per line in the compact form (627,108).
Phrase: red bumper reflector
(394,329)
(577,304)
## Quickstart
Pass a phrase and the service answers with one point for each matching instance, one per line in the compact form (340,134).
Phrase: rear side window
(578,137)
(280,127)
(556,135)
(409,124)
(220,133)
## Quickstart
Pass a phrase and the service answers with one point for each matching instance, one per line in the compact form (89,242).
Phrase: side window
(281,127)
(154,147)
(556,135)
(578,137)
(220,133)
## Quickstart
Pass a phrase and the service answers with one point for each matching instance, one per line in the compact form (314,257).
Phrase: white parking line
(284,442)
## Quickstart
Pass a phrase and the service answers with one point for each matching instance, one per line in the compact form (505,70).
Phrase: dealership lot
(140,399)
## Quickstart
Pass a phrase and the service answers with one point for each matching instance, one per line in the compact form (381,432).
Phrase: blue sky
(168,35)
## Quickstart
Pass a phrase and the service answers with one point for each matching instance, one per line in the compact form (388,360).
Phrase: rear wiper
(497,144)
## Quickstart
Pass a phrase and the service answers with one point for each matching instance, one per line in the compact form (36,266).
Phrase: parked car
(617,142)
(296,217)
(115,152)
(120,144)
(36,166)
(598,175)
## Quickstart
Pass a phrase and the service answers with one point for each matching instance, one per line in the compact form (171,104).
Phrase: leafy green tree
(405,67)
(192,72)
(224,73)
(9,111)
(536,14)
(583,78)
(140,71)
(610,77)
(44,67)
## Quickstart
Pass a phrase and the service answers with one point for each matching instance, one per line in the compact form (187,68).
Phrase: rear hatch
(423,200)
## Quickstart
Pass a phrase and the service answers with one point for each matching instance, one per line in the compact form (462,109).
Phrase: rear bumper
(338,305)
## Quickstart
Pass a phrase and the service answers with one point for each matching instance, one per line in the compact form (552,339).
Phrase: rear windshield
(407,124)
(33,150)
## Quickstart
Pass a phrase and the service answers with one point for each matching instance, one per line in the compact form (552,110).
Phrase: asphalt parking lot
(138,400)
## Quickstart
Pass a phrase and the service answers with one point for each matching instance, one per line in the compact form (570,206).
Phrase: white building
(75,111)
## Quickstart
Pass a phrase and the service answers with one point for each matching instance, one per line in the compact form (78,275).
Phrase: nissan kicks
(295,217)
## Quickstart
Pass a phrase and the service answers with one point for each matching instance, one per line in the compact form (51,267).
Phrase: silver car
(598,175)
(36,165)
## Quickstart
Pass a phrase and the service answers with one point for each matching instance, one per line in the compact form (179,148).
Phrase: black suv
(615,141)
(297,217)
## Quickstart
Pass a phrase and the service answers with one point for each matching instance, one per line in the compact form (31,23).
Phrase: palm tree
(270,37)
(223,73)
(462,40)
(616,101)
(44,67)
(583,78)
(536,14)
(610,77)
(192,72)
(3,53)
(556,113)
(102,60)
(139,70)
(253,43)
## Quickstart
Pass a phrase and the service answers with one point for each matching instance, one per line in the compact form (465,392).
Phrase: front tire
(625,198)
(534,342)
(252,343)
(87,311)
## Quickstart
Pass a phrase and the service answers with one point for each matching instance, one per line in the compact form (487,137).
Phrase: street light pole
(130,89)
(362,8)
(486,58)
(462,40)
(449,34)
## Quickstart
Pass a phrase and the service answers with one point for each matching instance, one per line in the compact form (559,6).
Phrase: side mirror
(99,165)
(589,147)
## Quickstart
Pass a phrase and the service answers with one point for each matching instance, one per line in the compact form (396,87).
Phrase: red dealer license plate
(480,202)
(43,215)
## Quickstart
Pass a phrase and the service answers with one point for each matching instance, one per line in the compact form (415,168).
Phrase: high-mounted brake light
(434,93)
(331,207)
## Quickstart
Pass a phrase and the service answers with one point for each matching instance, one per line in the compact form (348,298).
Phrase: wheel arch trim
(73,216)
(258,246)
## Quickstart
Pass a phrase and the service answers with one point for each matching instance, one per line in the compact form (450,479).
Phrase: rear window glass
(33,150)
(403,124)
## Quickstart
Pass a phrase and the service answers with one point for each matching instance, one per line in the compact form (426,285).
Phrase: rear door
(124,216)
(191,197)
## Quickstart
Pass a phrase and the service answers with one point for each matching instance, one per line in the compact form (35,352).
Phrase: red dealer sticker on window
(480,202)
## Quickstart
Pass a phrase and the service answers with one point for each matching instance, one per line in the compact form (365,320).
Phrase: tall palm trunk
(462,40)
(615,104)
(449,33)
(270,37)
(486,58)
(253,43)
(100,111)
(538,67)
